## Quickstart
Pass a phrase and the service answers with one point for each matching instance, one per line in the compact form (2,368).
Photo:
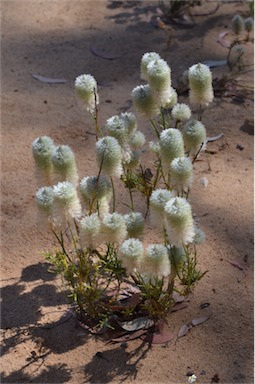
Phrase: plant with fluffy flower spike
(200,84)
(90,231)
(181,112)
(180,227)
(156,261)
(44,201)
(146,59)
(135,224)
(108,153)
(171,146)
(237,24)
(114,228)
(131,253)
(159,79)
(86,90)
(42,149)
(181,174)
(66,204)
(64,164)
(194,136)
(144,101)
(248,26)
(158,200)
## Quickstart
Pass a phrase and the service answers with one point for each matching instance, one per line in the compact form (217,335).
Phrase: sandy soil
(54,39)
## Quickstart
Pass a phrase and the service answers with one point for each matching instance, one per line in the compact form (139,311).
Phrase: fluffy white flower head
(158,200)
(200,84)
(66,204)
(249,24)
(194,135)
(114,228)
(90,227)
(156,261)
(144,102)
(172,100)
(171,145)
(135,224)
(181,112)
(146,59)
(64,164)
(86,90)
(181,173)
(237,24)
(44,201)
(42,149)
(131,254)
(180,228)
(109,154)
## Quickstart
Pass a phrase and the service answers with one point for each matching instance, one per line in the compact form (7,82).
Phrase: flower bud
(194,135)
(86,90)
(181,173)
(171,145)
(200,84)
(42,149)
(135,224)
(114,228)
(156,261)
(108,152)
(131,254)
(181,112)
(44,201)
(146,59)
(248,24)
(90,227)
(180,228)
(144,102)
(64,164)
(237,24)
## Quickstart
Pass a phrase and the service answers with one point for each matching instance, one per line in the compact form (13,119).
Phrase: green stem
(155,128)
(113,195)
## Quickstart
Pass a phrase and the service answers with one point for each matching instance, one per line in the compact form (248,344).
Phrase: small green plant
(108,268)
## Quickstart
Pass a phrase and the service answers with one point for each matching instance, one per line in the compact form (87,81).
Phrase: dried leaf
(158,338)
(214,138)
(178,298)
(179,306)
(134,300)
(134,325)
(104,55)
(184,330)
(48,80)
(222,39)
(235,264)
(199,320)
(130,336)
(215,63)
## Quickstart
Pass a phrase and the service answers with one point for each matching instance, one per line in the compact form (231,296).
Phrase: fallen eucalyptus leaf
(215,63)
(199,320)
(214,138)
(222,41)
(158,338)
(176,307)
(130,336)
(134,325)
(48,80)
(184,330)
(104,55)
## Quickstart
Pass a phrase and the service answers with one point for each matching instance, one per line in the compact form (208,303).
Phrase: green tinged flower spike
(42,149)
(135,224)
(66,204)
(194,135)
(159,79)
(137,140)
(181,174)
(200,84)
(171,146)
(109,155)
(44,201)
(248,24)
(181,112)
(173,98)
(129,120)
(117,128)
(158,200)
(237,24)
(180,228)
(114,228)
(86,90)
(96,190)
(177,256)
(90,231)
(199,237)
(131,254)
(64,164)
(146,59)
(144,102)
(156,262)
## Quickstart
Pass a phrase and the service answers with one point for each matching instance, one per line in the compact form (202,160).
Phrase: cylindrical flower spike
(248,24)
(90,231)
(194,135)
(137,140)
(133,160)
(158,200)
(109,155)
(173,98)
(156,262)
(181,112)
(42,149)
(114,228)
(86,90)
(144,102)
(44,201)
(129,120)
(66,204)
(159,79)
(64,164)
(135,224)
(237,24)
(98,192)
(180,227)
(131,254)
(171,146)
(200,84)
(146,59)
(117,128)
(181,174)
